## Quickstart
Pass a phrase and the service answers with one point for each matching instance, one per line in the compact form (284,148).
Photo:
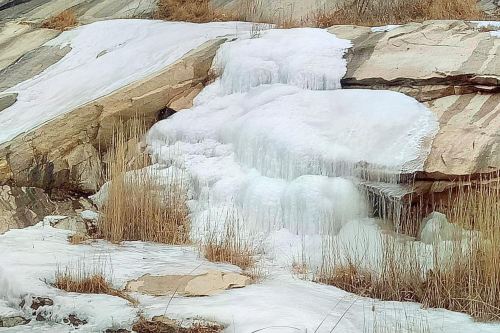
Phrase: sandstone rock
(7,100)
(458,59)
(63,153)
(73,223)
(86,11)
(211,283)
(25,206)
(453,67)
(17,39)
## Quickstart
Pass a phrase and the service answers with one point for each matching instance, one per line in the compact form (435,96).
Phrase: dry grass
(355,12)
(157,326)
(463,274)
(382,12)
(141,204)
(61,21)
(197,11)
(230,246)
(81,280)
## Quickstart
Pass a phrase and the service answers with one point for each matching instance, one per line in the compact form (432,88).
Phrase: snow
(487,24)
(105,56)
(281,299)
(385,28)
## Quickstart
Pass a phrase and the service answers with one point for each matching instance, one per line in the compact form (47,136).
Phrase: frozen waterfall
(276,139)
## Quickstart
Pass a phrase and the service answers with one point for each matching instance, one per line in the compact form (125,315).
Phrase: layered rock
(454,68)
(66,152)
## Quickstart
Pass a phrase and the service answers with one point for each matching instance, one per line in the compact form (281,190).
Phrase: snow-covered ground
(104,57)
(281,300)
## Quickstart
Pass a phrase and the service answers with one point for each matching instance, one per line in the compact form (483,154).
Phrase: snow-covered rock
(148,65)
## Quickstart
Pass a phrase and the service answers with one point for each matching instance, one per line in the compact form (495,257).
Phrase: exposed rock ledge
(65,153)
(451,66)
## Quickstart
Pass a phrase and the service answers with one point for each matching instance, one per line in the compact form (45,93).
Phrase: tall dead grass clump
(382,12)
(460,274)
(142,204)
(230,246)
(62,21)
(197,11)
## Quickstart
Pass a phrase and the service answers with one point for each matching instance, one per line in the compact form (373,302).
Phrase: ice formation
(275,139)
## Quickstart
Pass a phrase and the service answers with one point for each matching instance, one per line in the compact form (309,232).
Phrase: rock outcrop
(66,152)
(24,206)
(451,66)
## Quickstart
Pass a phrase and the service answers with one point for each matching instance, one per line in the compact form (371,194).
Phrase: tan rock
(424,60)
(211,283)
(64,153)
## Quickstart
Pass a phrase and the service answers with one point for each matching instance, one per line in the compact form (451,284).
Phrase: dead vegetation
(349,12)
(79,279)
(230,246)
(142,204)
(462,274)
(382,12)
(62,21)
(197,11)
(168,326)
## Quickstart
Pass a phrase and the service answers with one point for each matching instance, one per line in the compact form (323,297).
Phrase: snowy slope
(105,56)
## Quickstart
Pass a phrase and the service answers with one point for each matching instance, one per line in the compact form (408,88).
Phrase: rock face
(454,68)
(64,153)
(86,11)
(24,206)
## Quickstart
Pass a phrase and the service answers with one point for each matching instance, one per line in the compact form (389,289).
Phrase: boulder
(65,153)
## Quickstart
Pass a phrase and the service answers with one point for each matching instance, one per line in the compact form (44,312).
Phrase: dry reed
(158,326)
(231,246)
(382,12)
(464,274)
(61,21)
(141,204)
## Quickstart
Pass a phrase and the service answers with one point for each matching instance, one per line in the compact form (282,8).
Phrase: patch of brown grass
(82,281)
(382,12)
(461,275)
(162,326)
(197,11)
(62,21)
(230,246)
(141,204)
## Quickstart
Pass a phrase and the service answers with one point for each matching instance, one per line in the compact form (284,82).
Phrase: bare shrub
(462,274)
(141,204)
(61,21)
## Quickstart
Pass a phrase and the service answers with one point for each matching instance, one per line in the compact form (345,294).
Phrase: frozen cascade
(275,139)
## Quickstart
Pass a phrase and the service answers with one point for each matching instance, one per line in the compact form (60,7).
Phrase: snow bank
(104,57)
(274,138)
